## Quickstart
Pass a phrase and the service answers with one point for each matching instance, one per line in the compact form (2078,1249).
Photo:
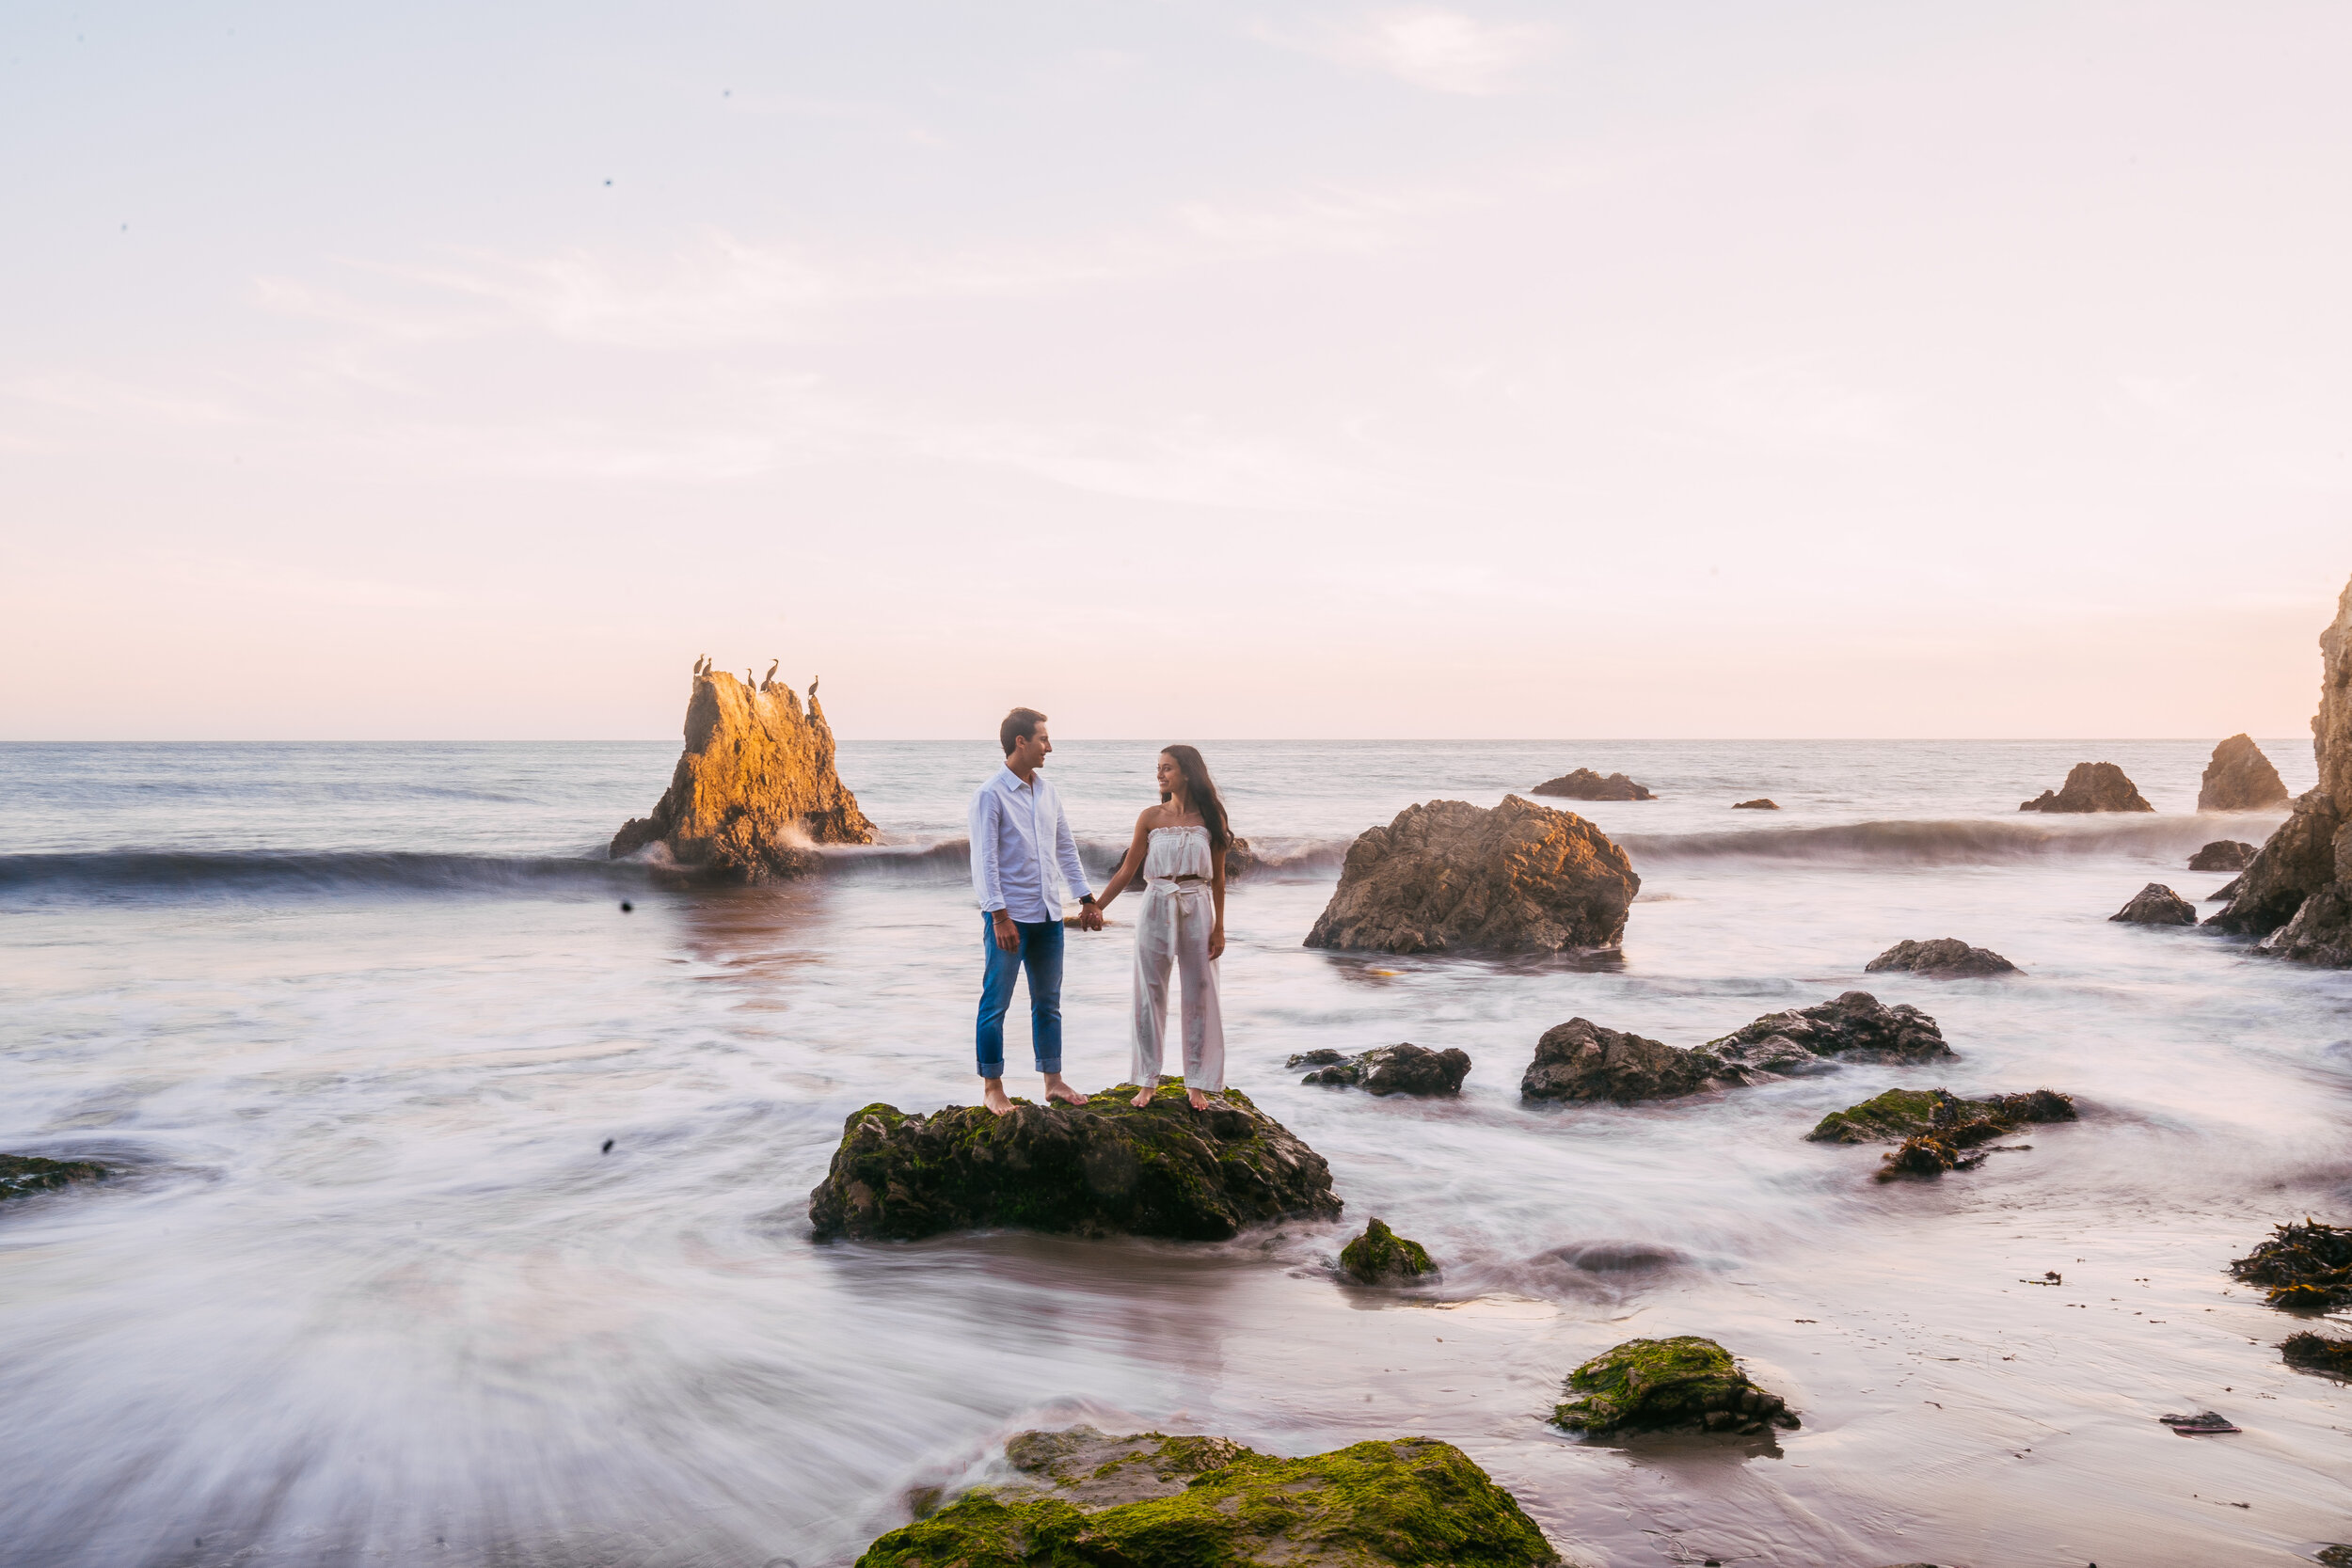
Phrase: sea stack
(1585,785)
(2240,778)
(2297,894)
(754,787)
(2091,787)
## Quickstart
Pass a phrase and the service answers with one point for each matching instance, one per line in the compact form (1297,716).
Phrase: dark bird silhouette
(702,665)
(770,676)
(749,684)
(812,690)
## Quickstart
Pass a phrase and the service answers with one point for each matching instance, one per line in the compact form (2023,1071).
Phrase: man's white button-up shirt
(1022,855)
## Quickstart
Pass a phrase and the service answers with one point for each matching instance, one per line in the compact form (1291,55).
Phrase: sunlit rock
(2091,787)
(2239,778)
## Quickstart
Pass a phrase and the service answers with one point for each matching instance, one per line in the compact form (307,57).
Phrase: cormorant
(812,690)
(770,676)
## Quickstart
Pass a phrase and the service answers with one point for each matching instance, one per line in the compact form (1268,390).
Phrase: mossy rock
(1381,1257)
(1100,1169)
(24,1174)
(1900,1114)
(1407,1501)
(1683,1384)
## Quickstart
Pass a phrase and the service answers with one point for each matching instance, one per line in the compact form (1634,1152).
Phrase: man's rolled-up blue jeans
(1039,951)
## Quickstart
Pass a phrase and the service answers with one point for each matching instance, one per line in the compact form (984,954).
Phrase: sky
(1194,371)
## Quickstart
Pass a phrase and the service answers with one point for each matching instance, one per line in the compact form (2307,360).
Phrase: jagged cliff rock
(2297,894)
(754,788)
(2240,778)
(1448,877)
(2091,787)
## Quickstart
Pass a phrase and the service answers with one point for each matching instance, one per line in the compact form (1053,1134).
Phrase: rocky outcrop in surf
(1584,785)
(1448,877)
(754,787)
(1901,1113)
(2296,896)
(22,1175)
(1381,1257)
(1581,1061)
(1682,1384)
(2223,855)
(2091,787)
(1854,1026)
(1082,1496)
(1406,1069)
(1759,803)
(2240,778)
(2157,905)
(1944,958)
(1105,1168)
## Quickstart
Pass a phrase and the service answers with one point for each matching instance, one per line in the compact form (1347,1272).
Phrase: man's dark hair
(1020,725)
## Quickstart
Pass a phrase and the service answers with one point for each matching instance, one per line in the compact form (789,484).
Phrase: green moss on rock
(1900,1114)
(23,1174)
(1103,1168)
(1664,1385)
(1381,1257)
(1372,1505)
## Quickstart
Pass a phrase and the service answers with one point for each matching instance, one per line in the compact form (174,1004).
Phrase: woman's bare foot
(1200,1098)
(993,1096)
(1056,1089)
(1142,1101)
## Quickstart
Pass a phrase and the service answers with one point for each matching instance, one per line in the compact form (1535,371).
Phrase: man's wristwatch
(1088,899)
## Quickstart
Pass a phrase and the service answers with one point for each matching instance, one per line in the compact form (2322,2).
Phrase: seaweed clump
(1100,1169)
(1381,1257)
(1215,1504)
(2316,1353)
(2305,1267)
(1956,1129)
(24,1174)
(1685,1383)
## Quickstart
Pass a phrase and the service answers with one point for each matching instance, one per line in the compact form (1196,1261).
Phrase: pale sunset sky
(1205,369)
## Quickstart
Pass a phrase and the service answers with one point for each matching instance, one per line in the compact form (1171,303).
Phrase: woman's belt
(1193,878)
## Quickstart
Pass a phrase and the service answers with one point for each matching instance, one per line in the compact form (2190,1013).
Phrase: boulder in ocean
(1390,1068)
(1682,1384)
(2240,778)
(1585,785)
(1579,1060)
(1100,1169)
(1381,1257)
(1944,958)
(1759,803)
(2091,787)
(2157,905)
(22,1175)
(2223,855)
(1448,877)
(1854,1026)
(754,787)
(1900,1114)
(1083,1497)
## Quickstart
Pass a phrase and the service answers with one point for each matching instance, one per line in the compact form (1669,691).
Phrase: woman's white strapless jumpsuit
(1177,918)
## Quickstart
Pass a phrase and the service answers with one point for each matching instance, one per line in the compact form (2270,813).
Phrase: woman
(1178,850)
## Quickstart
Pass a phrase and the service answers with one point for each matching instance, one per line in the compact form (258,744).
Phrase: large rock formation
(1390,1068)
(1099,1169)
(1685,1383)
(1449,876)
(754,788)
(1146,1501)
(2157,905)
(2091,787)
(1579,1060)
(2240,778)
(1585,785)
(2297,894)
(1942,959)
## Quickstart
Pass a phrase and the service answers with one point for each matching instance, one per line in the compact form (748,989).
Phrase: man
(1022,857)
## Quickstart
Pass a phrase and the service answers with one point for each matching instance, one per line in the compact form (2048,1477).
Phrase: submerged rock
(1685,1383)
(1381,1257)
(2223,855)
(1585,785)
(1099,1169)
(1390,1069)
(21,1175)
(1759,803)
(1855,1025)
(1579,1060)
(2316,1353)
(1944,958)
(1448,877)
(2240,778)
(1082,1497)
(2091,787)
(754,787)
(2305,1267)
(2157,905)
(1901,1113)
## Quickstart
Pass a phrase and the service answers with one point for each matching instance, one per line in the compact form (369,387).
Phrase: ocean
(355,1023)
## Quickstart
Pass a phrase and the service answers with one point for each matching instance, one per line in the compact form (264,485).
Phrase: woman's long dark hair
(1201,791)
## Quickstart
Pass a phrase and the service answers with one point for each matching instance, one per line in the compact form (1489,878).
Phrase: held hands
(1090,917)
(1007,937)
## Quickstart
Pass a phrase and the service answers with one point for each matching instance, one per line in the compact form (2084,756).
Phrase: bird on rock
(812,690)
(769,678)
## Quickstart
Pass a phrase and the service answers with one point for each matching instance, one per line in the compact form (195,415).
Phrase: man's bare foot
(1142,1101)
(1200,1098)
(1056,1089)
(993,1096)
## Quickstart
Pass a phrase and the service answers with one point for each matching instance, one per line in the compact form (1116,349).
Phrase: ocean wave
(131,871)
(1952,842)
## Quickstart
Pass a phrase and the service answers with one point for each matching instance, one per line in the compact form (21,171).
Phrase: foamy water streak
(373,1291)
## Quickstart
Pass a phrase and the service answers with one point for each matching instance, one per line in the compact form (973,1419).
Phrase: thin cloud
(1440,51)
